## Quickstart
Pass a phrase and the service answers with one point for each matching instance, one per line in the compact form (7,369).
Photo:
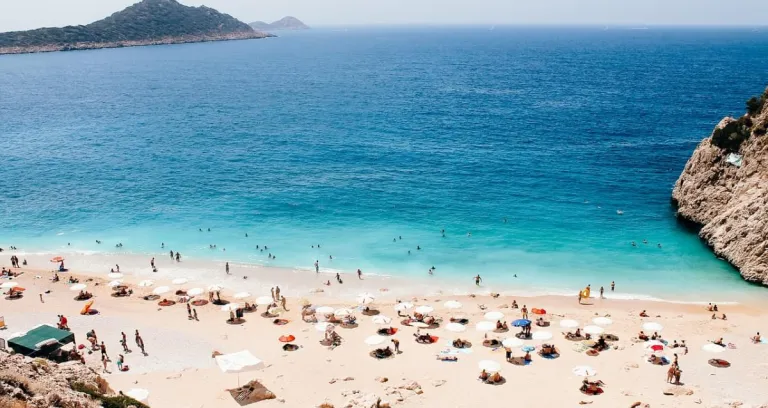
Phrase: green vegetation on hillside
(147,20)
(732,135)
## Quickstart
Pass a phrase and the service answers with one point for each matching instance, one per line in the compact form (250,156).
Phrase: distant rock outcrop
(724,190)
(285,23)
(148,22)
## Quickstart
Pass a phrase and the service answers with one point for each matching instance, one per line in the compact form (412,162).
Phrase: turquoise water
(350,138)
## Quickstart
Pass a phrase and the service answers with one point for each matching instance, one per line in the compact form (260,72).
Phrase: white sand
(179,371)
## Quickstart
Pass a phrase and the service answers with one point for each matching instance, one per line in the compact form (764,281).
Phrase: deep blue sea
(353,138)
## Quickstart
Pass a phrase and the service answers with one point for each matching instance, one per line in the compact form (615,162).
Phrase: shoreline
(127,44)
(303,282)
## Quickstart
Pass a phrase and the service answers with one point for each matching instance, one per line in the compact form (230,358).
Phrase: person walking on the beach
(601,292)
(194,315)
(359,274)
(104,363)
(317,266)
(282,303)
(189,311)
(103,349)
(117,268)
(178,256)
(524,311)
(396,342)
(613,285)
(171,255)
(124,343)
(227,267)
(478,279)
(140,342)
(338,277)
(152,263)
(277,293)
(272,291)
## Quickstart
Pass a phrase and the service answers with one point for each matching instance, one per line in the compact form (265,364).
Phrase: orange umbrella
(287,339)
(18,289)
(57,259)
(539,311)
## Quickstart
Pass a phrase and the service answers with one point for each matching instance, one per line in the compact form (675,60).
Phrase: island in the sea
(285,23)
(149,22)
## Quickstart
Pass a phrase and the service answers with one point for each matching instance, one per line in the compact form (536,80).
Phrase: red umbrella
(287,339)
(657,347)
(57,259)
(539,311)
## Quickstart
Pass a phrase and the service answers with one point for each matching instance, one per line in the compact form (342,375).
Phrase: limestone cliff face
(725,191)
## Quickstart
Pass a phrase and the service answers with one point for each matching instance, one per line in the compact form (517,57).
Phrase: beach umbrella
(539,311)
(365,298)
(593,330)
(195,292)
(403,306)
(114,275)
(541,335)
(78,287)
(584,371)
(569,324)
(455,327)
(424,309)
(146,283)
(657,347)
(342,312)
(452,304)
(528,349)
(521,323)
(161,290)
(652,326)
(485,326)
(602,321)
(512,342)
(8,285)
(115,283)
(241,295)
(57,259)
(375,340)
(381,319)
(489,365)
(139,394)
(230,307)
(180,281)
(215,288)
(324,310)
(287,339)
(494,315)
(324,326)
(266,300)
(713,348)
(651,343)
(420,325)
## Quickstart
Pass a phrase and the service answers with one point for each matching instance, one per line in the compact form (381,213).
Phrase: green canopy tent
(41,341)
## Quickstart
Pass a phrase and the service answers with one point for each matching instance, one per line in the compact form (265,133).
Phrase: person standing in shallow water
(359,274)
(227,268)
(613,285)
(317,266)
(478,279)
(601,292)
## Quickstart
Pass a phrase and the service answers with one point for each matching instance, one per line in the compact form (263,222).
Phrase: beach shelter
(494,315)
(146,283)
(424,309)
(455,327)
(365,298)
(375,340)
(381,319)
(115,283)
(602,321)
(403,306)
(161,290)
(569,324)
(114,275)
(230,307)
(239,362)
(489,365)
(541,335)
(713,348)
(78,287)
(512,342)
(452,304)
(521,323)
(485,326)
(266,300)
(594,330)
(241,295)
(179,281)
(41,340)
(652,326)
(8,285)
(195,292)
(584,371)
(323,310)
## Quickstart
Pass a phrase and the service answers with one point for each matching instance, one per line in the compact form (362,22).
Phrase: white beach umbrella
(230,307)
(424,309)
(139,394)
(494,315)
(365,298)
(180,281)
(114,275)
(115,283)
(324,310)
(403,306)
(455,327)
(651,343)
(602,321)
(593,330)
(8,285)
(323,326)
(652,326)
(569,324)
(381,319)
(375,340)
(241,295)
(195,292)
(489,365)
(713,348)
(146,283)
(512,342)
(452,304)
(215,288)
(342,312)
(485,326)
(584,371)
(420,325)
(541,335)
(161,290)
(78,287)
(265,300)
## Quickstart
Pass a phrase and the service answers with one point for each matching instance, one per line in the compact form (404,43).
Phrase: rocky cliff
(724,190)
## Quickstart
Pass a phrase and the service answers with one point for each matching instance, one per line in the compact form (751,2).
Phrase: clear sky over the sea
(28,14)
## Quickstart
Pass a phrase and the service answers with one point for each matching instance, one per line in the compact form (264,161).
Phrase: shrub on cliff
(756,104)
(732,135)
(117,401)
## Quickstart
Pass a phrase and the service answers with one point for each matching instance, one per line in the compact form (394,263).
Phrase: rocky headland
(724,190)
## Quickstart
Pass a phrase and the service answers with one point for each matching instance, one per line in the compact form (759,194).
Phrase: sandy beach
(179,370)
